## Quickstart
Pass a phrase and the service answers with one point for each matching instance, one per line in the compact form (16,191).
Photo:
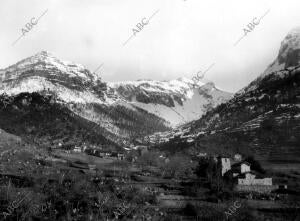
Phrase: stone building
(225,164)
(250,181)
(249,178)
(240,168)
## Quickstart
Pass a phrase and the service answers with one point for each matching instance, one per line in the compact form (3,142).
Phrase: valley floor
(41,185)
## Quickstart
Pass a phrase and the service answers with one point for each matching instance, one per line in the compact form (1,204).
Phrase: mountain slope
(78,93)
(177,101)
(262,119)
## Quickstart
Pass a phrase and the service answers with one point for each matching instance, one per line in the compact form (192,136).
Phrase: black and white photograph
(149,110)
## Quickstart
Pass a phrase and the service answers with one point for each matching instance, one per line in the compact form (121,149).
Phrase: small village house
(225,164)
(77,149)
(248,180)
(240,168)
(121,156)
(245,178)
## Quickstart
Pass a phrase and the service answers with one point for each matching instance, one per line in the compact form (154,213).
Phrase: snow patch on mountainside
(174,86)
(193,108)
(38,84)
(188,101)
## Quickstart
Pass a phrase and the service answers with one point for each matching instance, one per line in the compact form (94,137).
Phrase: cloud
(184,37)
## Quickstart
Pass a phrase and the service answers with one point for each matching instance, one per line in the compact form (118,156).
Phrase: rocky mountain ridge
(119,112)
(262,119)
(44,83)
(177,101)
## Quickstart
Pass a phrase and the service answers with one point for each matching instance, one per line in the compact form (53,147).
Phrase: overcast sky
(182,38)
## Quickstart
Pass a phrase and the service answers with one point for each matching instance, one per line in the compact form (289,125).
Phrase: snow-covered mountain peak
(177,101)
(210,85)
(185,80)
(178,87)
(44,53)
(289,52)
(295,31)
(44,60)
(45,72)
(288,58)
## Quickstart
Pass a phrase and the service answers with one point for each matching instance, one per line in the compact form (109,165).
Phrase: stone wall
(255,188)
(251,180)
